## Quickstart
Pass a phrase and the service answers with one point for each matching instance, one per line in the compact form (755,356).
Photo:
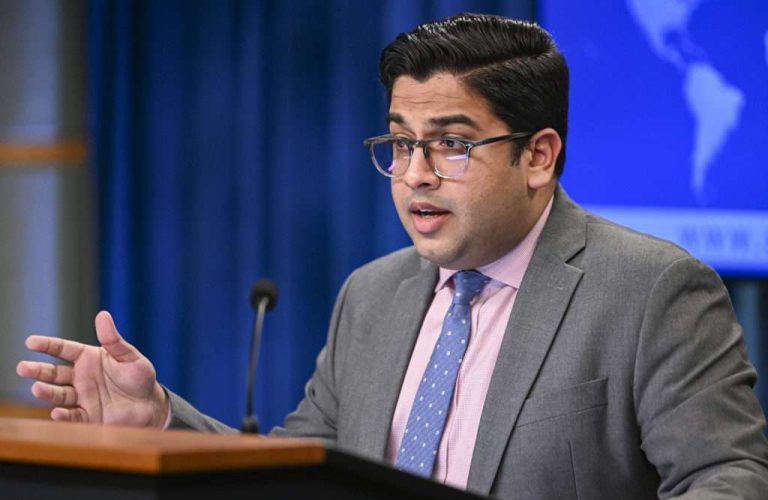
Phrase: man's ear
(541,154)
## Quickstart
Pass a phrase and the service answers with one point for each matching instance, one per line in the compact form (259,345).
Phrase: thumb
(110,339)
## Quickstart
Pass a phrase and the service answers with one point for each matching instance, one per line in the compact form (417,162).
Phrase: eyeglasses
(448,156)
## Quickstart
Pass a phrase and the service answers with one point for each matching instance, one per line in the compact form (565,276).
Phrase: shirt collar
(510,268)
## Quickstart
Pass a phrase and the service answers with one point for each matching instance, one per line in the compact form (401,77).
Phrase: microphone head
(264,289)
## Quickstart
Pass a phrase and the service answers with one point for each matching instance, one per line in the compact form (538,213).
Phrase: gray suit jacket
(622,373)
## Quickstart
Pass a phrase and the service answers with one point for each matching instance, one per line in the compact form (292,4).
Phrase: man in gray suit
(602,363)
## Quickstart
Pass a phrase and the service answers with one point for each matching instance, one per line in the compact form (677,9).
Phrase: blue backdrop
(227,146)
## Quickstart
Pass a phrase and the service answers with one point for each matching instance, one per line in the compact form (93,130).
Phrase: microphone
(263,299)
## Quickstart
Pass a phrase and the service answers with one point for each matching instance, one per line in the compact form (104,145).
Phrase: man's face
(474,220)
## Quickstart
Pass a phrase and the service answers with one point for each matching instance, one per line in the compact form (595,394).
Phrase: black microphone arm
(263,299)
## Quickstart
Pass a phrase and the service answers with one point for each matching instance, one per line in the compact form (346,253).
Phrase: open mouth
(428,214)
(426,210)
(427,218)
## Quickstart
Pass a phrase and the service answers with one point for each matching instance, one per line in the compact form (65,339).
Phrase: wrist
(162,407)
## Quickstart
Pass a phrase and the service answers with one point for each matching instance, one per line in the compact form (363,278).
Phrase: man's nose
(420,174)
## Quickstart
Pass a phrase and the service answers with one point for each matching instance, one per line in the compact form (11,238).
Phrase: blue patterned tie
(426,422)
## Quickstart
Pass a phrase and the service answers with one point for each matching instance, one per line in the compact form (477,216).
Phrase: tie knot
(467,284)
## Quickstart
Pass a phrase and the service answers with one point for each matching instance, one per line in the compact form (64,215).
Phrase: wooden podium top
(147,451)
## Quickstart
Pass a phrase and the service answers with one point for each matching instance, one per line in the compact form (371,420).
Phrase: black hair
(515,65)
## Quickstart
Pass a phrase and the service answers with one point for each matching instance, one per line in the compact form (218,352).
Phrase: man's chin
(441,257)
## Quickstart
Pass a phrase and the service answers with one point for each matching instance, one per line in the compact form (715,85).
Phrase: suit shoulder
(370,287)
(615,248)
(393,267)
(615,236)
(593,243)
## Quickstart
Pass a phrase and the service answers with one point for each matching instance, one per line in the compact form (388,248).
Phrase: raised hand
(110,384)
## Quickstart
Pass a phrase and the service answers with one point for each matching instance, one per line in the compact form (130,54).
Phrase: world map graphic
(715,103)
(668,121)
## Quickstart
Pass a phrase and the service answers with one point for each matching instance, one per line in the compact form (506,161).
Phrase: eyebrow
(441,121)
(395,118)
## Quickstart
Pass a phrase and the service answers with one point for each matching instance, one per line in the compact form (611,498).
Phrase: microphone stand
(250,423)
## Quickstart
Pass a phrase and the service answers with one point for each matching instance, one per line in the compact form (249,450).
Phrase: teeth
(427,212)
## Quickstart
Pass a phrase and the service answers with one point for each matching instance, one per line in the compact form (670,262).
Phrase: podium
(44,459)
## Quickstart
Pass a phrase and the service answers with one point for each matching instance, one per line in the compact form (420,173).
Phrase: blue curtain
(227,146)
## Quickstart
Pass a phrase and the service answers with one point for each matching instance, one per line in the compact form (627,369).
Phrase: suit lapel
(541,303)
(393,344)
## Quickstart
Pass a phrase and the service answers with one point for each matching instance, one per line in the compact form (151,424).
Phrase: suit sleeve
(702,426)
(186,416)
(317,413)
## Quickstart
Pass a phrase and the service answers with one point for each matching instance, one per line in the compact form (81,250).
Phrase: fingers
(68,350)
(54,394)
(111,340)
(69,415)
(46,372)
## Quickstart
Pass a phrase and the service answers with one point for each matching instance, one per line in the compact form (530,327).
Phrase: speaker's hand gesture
(111,384)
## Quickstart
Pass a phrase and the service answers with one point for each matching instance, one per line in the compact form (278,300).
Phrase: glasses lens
(449,157)
(391,157)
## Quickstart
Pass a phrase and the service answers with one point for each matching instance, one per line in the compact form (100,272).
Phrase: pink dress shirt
(490,313)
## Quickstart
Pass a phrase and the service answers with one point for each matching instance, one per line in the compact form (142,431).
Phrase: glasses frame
(412,144)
